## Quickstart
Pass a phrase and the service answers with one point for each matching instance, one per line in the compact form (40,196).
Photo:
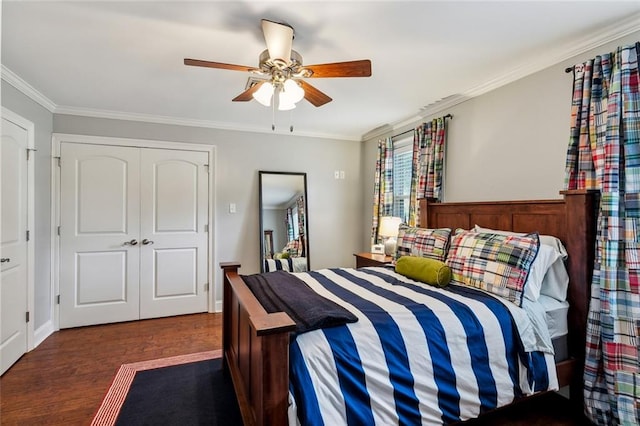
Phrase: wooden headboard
(572,219)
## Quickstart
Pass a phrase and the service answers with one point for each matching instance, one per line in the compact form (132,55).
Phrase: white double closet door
(133,233)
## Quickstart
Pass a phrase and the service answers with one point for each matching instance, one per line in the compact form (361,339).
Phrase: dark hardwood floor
(63,381)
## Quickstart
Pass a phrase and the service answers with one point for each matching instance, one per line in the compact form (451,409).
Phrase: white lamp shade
(293,91)
(389,226)
(284,103)
(264,94)
(389,229)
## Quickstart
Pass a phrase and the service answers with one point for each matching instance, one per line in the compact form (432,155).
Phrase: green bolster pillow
(429,271)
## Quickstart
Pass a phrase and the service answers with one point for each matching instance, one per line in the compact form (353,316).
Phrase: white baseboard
(218,306)
(44,331)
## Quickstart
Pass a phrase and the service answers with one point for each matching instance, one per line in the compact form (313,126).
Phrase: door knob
(131,243)
(5,260)
(146,242)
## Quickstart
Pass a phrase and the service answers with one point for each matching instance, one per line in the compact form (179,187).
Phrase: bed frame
(256,343)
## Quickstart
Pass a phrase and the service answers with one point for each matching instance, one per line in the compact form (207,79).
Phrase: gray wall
(522,128)
(274,219)
(334,211)
(42,119)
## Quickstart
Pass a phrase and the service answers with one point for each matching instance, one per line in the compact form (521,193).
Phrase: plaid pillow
(422,242)
(294,248)
(495,263)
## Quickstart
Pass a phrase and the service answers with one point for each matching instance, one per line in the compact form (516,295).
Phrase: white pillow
(546,257)
(548,274)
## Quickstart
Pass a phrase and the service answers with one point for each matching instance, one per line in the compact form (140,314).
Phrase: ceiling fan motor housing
(281,70)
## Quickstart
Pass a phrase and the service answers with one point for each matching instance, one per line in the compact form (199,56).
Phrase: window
(402,164)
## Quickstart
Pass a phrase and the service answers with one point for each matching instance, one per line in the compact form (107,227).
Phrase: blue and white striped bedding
(291,264)
(417,355)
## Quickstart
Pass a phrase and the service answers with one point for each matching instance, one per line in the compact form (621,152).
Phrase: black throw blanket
(280,291)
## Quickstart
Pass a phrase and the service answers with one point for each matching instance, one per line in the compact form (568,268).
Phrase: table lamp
(389,230)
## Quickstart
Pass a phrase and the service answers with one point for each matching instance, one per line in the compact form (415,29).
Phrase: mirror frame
(262,173)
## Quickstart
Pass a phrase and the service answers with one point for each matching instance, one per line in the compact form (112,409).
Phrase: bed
(292,264)
(257,344)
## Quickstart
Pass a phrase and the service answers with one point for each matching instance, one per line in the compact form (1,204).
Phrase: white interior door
(100,227)
(13,245)
(173,250)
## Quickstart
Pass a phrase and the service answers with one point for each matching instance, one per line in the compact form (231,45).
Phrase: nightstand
(370,259)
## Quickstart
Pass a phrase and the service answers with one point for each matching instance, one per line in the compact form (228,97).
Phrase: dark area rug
(192,393)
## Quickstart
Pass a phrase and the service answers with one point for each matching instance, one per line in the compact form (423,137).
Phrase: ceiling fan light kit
(264,93)
(282,66)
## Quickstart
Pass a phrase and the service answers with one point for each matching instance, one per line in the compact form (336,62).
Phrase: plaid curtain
(428,161)
(288,222)
(604,154)
(383,186)
(301,217)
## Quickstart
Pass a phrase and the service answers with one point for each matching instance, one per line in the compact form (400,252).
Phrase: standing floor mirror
(284,220)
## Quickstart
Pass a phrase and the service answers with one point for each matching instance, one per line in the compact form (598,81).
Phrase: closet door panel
(174,211)
(100,225)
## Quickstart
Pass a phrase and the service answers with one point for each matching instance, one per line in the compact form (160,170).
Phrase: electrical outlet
(232,208)
(341,174)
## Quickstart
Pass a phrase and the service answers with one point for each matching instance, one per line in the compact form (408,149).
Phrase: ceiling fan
(284,72)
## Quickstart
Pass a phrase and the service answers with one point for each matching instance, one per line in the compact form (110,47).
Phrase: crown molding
(430,110)
(177,121)
(555,56)
(561,53)
(27,89)
(31,92)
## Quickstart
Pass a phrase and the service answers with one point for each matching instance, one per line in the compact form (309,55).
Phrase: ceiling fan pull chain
(291,121)
(273,115)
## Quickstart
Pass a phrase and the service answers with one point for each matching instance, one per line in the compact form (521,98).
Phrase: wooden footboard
(256,352)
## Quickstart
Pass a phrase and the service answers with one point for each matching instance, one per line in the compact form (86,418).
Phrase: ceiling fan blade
(279,38)
(313,95)
(220,65)
(361,68)
(247,95)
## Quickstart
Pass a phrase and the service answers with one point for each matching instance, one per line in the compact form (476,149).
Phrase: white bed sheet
(556,315)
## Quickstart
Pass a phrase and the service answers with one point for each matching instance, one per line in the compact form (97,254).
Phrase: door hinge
(59,160)
(29,152)
(206,228)
(58,231)
(207,167)
(27,316)
(28,234)
(206,286)
(58,299)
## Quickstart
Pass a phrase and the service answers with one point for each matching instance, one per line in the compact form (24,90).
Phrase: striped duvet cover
(291,264)
(417,355)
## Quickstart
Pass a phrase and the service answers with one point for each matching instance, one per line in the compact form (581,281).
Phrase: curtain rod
(568,70)
(411,130)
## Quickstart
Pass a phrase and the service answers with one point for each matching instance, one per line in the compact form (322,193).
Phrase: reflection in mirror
(284,241)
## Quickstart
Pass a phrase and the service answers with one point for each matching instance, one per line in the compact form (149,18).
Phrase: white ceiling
(125,59)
